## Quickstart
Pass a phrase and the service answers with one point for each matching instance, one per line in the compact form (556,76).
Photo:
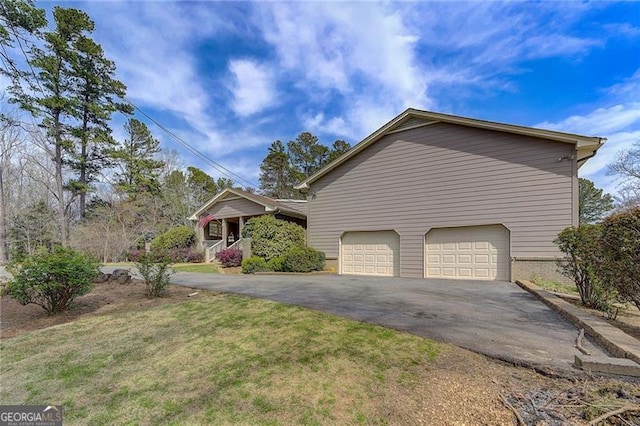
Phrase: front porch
(219,223)
(220,234)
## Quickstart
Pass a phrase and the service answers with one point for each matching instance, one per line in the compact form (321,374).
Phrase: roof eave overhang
(221,196)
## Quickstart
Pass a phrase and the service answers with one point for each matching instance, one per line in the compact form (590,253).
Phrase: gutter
(594,152)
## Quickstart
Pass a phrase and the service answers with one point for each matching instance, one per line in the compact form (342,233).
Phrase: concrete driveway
(498,319)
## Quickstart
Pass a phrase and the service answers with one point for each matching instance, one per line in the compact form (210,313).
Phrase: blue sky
(231,77)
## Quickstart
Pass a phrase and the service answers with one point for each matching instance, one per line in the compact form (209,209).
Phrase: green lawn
(556,286)
(207,268)
(218,360)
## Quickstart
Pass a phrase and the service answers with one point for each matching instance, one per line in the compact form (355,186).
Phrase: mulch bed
(107,297)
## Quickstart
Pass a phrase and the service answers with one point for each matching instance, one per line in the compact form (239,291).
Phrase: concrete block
(596,364)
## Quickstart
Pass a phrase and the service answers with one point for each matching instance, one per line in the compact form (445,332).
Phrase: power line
(191,149)
(26,57)
(223,170)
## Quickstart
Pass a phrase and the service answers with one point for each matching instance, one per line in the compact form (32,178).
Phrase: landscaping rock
(102,278)
(121,276)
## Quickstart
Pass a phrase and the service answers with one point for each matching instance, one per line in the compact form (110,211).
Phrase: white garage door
(473,252)
(370,253)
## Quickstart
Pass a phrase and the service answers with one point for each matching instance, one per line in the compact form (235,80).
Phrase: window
(215,230)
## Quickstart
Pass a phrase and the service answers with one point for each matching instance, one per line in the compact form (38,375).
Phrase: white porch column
(200,236)
(240,226)
(225,232)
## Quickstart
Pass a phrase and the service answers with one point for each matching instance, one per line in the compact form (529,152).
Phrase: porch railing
(237,245)
(210,252)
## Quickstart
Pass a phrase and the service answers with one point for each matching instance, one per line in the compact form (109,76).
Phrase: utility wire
(26,57)
(223,170)
(191,149)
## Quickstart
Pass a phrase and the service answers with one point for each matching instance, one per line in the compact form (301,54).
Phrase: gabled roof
(296,208)
(586,146)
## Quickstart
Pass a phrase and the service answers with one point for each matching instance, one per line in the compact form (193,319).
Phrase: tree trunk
(83,179)
(4,254)
(62,223)
(84,161)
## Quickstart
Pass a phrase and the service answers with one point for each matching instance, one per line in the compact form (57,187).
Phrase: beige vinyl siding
(446,175)
(235,208)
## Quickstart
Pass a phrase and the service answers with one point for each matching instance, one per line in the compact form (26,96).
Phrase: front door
(233,229)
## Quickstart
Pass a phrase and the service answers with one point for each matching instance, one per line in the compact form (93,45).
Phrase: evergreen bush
(53,279)
(303,259)
(272,237)
(254,264)
(175,238)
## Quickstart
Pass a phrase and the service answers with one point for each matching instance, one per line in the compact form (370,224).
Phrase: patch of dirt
(232,270)
(458,388)
(107,297)
(464,388)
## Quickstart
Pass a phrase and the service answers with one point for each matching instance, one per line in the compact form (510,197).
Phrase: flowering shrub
(195,256)
(134,255)
(229,257)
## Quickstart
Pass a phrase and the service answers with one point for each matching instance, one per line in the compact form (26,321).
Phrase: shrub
(254,264)
(581,245)
(303,259)
(53,279)
(229,257)
(272,237)
(175,238)
(276,264)
(133,255)
(155,272)
(620,245)
(195,256)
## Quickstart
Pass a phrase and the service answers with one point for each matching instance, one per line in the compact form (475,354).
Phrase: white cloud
(374,61)
(253,87)
(599,122)
(341,69)
(152,46)
(620,124)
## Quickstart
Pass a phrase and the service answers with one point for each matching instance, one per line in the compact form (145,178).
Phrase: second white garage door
(370,253)
(471,252)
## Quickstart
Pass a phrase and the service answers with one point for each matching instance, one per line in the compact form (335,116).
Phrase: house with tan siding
(219,222)
(437,195)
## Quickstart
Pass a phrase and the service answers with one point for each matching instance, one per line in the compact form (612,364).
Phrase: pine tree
(138,170)
(307,156)
(277,176)
(96,93)
(593,203)
(19,19)
(48,96)
(202,187)
(338,148)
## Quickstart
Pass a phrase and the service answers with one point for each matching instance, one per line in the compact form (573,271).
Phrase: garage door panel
(370,253)
(476,252)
